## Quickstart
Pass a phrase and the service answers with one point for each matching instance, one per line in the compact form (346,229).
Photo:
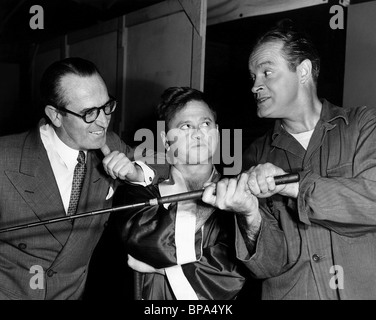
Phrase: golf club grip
(197,194)
(287,178)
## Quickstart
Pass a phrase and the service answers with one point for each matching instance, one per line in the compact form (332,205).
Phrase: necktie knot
(81,157)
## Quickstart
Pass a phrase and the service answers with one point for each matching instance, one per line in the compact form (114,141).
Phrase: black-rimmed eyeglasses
(92,114)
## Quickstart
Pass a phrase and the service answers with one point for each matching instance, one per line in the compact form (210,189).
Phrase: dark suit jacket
(29,193)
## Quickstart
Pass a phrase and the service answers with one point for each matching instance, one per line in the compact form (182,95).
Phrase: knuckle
(221,206)
(221,183)
(122,154)
(244,175)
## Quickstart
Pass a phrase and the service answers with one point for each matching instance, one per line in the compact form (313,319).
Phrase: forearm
(340,203)
(342,196)
(142,174)
(249,227)
(266,256)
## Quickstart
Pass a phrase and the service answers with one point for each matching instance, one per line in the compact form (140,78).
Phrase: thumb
(209,195)
(105,150)
(207,184)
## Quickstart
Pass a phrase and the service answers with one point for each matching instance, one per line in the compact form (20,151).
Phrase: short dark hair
(174,99)
(297,45)
(50,89)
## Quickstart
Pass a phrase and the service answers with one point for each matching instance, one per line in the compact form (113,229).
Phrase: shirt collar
(67,154)
(329,113)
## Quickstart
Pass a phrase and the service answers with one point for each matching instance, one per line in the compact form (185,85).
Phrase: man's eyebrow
(183,122)
(265,63)
(88,109)
(261,65)
(190,121)
(91,108)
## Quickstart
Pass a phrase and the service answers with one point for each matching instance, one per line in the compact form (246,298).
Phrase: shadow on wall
(141,100)
(17,113)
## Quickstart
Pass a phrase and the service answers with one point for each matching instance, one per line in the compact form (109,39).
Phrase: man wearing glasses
(63,167)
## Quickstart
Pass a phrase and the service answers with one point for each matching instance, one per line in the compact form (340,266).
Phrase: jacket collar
(329,113)
(36,183)
(33,152)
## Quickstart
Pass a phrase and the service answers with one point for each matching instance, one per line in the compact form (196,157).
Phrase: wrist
(138,175)
(290,190)
(251,225)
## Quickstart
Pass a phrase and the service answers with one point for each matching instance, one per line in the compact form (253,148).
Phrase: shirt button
(150,179)
(22,246)
(50,273)
(316,257)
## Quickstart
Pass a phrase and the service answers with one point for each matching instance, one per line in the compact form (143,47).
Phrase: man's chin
(97,145)
(264,113)
(101,141)
(199,161)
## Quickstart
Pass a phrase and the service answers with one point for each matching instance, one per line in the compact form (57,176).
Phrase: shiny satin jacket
(48,261)
(328,240)
(203,261)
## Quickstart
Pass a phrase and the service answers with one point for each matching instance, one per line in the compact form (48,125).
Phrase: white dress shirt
(63,160)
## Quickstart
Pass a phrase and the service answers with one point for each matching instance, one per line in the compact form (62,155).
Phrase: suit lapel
(92,198)
(36,183)
(94,190)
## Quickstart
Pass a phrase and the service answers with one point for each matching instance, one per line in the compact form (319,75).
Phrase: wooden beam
(224,10)
(196,12)
(156,11)
(96,30)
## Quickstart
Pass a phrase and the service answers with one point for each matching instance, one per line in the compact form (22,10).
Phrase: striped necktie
(78,180)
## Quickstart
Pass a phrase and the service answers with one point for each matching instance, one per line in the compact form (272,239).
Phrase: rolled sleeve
(307,180)
(269,254)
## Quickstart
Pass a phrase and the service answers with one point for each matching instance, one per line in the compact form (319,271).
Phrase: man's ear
(53,114)
(305,70)
(165,141)
(217,129)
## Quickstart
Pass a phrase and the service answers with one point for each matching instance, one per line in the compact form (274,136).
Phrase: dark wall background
(226,66)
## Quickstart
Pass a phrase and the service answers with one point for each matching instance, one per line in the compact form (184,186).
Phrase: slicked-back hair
(50,86)
(174,99)
(297,45)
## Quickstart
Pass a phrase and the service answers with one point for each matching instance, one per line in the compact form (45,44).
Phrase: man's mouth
(98,133)
(199,145)
(262,100)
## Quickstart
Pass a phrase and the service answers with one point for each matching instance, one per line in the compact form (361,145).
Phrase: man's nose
(103,119)
(257,86)
(197,133)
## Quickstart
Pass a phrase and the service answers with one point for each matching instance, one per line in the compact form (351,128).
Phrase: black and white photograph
(187,158)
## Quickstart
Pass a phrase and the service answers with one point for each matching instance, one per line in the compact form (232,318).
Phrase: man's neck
(306,119)
(195,175)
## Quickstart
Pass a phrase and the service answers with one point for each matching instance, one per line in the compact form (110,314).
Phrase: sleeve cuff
(149,174)
(242,252)
(308,178)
